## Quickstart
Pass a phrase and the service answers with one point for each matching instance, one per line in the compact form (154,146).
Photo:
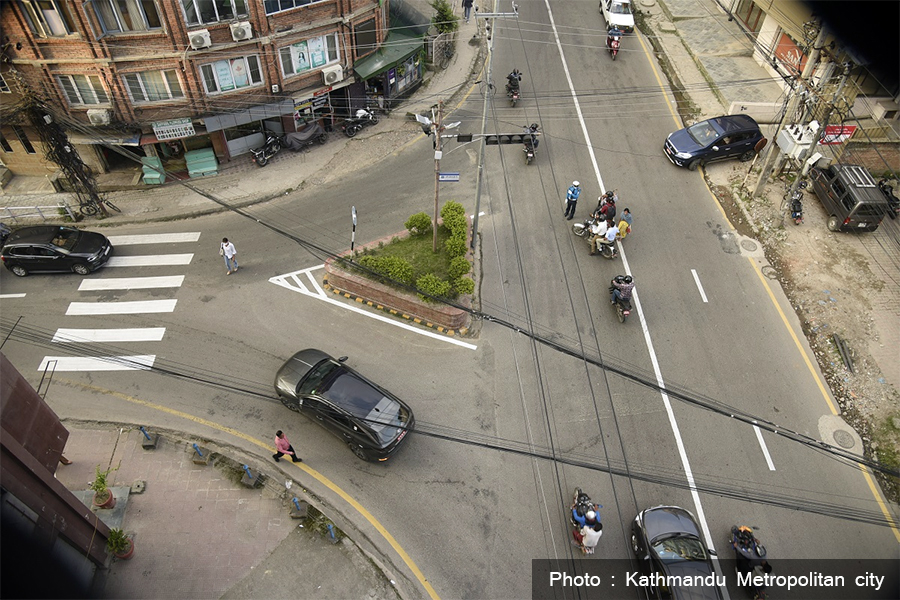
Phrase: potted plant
(103,496)
(120,544)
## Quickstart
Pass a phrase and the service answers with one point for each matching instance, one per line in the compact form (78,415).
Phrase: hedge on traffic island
(385,281)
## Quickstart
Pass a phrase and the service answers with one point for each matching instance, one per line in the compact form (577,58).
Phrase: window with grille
(153,86)
(231,74)
(26,143)
(48,18)
(274,6)
(198,12)
(309,54)
(118,16)
(83,89)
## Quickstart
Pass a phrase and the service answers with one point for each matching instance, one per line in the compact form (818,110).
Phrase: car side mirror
(711,552)
(342,359)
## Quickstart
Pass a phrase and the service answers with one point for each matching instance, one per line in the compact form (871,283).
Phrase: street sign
(448,176)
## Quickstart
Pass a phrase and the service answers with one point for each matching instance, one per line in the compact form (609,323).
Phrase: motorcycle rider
(609,238)
(614,34)
(512,82)
(623,286)
(599,228)
(590,537)
(532,139)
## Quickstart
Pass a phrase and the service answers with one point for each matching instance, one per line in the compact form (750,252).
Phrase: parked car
(369,419)
(852,199)
(720,138)
(667,542)
(54,249)
(618,13)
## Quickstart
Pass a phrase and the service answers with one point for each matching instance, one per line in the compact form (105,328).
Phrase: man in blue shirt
(571,198)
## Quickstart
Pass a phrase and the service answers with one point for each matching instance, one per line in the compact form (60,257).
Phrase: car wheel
(360,454)
(747,156)
(81,269)
(692,166)
(834,224)
(290,403)
(18,271)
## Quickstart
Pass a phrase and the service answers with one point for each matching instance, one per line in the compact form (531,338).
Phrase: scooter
(623,305)
(512,87)
(313,134)
(750,557)
(613,39)
(797,203)
(582,504)
(262,155)
(362,119)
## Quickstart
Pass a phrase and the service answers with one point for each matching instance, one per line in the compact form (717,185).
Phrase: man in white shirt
(591,536)
(599,228)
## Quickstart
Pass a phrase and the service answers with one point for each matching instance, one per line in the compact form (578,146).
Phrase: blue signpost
(448,176)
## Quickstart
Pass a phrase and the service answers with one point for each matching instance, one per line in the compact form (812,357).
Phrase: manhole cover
(749,245)
(843,439)
(770,272)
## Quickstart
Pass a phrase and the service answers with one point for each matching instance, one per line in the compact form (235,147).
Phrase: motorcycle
(750,558)
(797,203)
(263,154)
(512,87)
(613,39)
(583,230)
(362,119)
(581,504)
(623,305)
(313,134)
(893,202)
(531,142)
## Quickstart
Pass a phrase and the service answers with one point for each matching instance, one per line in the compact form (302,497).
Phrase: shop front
(395,70)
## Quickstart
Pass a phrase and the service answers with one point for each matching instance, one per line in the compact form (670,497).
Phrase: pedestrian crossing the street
(98,307)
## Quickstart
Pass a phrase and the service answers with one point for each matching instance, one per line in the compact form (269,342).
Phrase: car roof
(39,233)
(669,519)
(731,123)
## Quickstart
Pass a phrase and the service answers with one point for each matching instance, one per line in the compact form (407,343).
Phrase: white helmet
(576,184)
(591,515)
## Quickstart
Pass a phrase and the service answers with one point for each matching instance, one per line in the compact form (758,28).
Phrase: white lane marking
(12,295)
(673,424)
(75,336)
(121,308)
(294,282)
(155,260)
(762,444)
(153,238)
(699,285)
(106,363)
(480,214)
(130,283)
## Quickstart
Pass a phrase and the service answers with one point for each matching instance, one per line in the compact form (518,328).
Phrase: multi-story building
(162,77)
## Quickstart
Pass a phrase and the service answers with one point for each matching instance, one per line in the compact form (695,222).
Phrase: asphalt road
(471,517)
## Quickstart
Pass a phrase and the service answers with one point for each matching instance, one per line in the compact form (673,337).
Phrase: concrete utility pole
(808,70)
(437,170)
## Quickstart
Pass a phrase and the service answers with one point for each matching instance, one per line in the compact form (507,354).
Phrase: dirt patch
(835,284)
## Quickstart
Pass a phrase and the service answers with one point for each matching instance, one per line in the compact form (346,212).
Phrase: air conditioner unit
(332,75)
(200,39)
(241,31)
(98,116)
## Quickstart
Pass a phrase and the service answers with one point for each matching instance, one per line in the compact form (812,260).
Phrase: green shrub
(454,216)
(433,285)
(390,267)
(459,266)
(464,286)
(418,224)
(444,19)
(456,246)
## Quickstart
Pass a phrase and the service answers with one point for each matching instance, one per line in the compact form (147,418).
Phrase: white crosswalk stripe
(121,308)
(142,334)
(152,260)
(106,363)
(131,283)
(154,238)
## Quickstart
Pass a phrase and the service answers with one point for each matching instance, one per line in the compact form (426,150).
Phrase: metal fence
(44,213)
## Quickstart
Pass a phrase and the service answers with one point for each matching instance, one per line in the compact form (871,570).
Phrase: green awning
(397,47)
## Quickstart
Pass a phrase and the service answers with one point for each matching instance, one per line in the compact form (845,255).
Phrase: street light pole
(353,235)
(437,170)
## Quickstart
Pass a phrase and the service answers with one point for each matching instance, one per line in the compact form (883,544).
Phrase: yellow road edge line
(315,474)
(876,491)
(659,81)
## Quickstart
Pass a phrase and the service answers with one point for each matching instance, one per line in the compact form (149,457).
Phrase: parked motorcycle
(796,198)
(312,134)
(582,505)
(531,142)
(583,230)
(512,86)
(750,558)
(893,201)
(613,40)
(363,118)
(270,148)
(623,305)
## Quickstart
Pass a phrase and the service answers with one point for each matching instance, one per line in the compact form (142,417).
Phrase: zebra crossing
(97,307)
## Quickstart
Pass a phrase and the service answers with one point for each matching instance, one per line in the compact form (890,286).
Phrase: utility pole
(437,171)
(808,70)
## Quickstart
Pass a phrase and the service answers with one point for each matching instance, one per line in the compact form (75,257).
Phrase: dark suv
(732,136)
(850,196)
(50,248)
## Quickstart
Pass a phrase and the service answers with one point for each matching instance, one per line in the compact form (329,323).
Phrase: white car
(618,13)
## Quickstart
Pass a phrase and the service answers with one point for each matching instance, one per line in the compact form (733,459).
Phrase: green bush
(456,246)
(433,285)
(391,267)
(459,266)
(418,224)
(454,216)
(444,19)
(464,286)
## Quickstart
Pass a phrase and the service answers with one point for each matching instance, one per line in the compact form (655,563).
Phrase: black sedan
(732,136)
(673,559)
(50,248)
(370,420)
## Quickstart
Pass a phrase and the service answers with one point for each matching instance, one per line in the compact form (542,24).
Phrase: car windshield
(678,546)
(315,378)
(66,238)
(703,133)
(620,8)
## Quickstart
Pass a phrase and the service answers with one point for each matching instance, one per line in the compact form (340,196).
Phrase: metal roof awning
(109,139)
(397,46)
(256,113)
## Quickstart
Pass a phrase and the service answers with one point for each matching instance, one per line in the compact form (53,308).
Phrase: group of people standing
(604,227)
